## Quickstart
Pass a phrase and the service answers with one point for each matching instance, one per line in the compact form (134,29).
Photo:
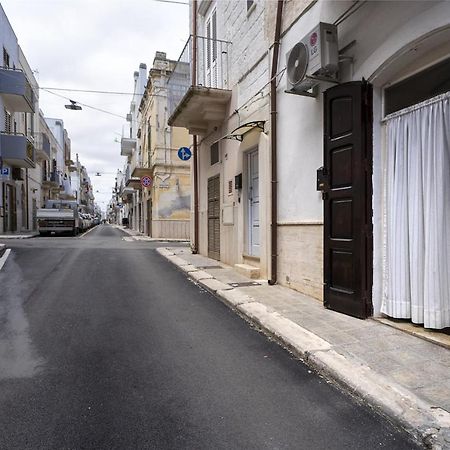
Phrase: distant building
(162,209)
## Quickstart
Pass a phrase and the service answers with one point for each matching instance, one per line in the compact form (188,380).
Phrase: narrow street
(106,345)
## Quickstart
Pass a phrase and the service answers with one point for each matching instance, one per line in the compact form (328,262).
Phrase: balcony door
(211,65)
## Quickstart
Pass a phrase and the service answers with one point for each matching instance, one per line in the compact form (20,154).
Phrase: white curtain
(417,214)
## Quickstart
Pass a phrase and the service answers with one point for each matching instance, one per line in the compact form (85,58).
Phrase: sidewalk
(137,236)
(28,235)
(402,376)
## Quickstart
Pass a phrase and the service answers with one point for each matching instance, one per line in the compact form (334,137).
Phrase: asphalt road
(106,345)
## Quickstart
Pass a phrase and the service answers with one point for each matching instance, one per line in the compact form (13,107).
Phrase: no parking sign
(146,181)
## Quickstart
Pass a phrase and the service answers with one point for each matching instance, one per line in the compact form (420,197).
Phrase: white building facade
(366,233)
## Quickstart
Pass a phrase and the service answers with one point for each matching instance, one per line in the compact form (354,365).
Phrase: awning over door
(239,132)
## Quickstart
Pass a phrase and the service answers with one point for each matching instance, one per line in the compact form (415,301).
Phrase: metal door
(149,217)
(34,212)
(347,193)
(253,203)
(214,217)
(9,201)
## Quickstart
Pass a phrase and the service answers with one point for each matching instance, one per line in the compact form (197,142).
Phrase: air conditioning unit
(313,60)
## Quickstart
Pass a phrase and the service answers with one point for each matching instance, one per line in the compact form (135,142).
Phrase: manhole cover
(245,283)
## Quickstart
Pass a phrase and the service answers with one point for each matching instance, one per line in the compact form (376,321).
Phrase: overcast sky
(94,45)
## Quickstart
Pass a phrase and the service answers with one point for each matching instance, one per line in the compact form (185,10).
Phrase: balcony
(131,182)
(16,90)
(42,146)
(127,194)
(17,150)
(52,181)
(127,146)
(197,107)
(140,171)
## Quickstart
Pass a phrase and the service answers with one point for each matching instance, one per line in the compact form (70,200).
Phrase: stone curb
(17,236)
(141,237)
(2,249)
(427,424)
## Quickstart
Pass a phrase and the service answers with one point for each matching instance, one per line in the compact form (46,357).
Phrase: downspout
(27,199)
(194,139)
(273,146)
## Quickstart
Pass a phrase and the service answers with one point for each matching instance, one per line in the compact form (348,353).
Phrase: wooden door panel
(347,198)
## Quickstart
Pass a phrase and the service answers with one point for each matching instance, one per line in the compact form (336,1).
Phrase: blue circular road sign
(184,153)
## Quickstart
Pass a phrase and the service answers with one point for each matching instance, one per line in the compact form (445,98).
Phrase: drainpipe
(273,149)
(194,141)
(27,199)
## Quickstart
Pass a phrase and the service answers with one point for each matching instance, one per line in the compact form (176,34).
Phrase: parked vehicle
(58,216)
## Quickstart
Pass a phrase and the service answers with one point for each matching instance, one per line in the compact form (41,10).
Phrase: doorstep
(249,271)
(435,336)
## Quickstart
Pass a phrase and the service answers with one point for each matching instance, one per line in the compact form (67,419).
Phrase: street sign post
(184,153)
(146,181)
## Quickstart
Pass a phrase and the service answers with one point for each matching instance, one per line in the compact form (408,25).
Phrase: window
(7,121)
(214,150)
(5,58)
(422,86)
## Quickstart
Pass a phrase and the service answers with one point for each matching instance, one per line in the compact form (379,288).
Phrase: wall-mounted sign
(146,181)
(184,153)
(5,171)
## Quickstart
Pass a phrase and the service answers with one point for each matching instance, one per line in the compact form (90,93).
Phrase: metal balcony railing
(55,177)
(17,149)
(42,143)
(211,71)
(13,82)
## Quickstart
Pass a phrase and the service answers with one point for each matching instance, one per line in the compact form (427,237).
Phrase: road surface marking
(4,257)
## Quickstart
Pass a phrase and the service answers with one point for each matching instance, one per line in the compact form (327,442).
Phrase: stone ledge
(249,271)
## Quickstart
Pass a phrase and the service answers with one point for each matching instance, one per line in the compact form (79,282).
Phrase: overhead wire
(90,106)
(85,105)
(89,91)
(172,1)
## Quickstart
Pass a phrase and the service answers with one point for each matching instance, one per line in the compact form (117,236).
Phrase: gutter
(273,147)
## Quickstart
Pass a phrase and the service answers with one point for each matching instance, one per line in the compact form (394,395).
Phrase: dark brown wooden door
(214,217)
(348,199)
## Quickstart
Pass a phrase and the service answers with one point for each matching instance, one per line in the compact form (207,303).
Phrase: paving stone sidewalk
(401,375)
(137,236)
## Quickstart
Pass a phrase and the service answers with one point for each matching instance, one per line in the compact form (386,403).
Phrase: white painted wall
(392,39)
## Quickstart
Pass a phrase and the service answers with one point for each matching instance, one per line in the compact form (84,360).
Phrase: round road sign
(184,153)
(146,182)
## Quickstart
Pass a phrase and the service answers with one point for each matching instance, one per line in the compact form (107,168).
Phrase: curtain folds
(417,215)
